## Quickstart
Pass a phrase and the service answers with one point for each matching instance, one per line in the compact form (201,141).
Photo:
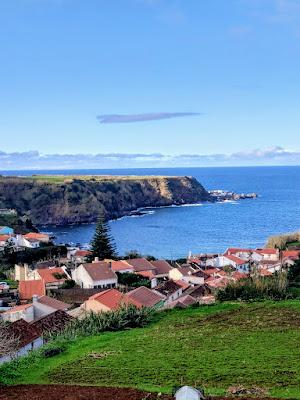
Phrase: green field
(212,346)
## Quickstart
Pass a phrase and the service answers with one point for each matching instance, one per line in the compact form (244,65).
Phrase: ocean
(172,232)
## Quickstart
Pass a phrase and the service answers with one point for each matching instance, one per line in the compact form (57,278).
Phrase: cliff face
(69,200)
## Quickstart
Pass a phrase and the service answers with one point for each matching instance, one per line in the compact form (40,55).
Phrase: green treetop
(102,244)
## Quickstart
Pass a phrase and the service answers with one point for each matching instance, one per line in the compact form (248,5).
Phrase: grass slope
(214,347)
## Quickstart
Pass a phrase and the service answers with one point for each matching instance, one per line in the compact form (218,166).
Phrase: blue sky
(235,63)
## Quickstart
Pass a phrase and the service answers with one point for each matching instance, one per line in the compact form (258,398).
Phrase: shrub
(256,288)
(124,318)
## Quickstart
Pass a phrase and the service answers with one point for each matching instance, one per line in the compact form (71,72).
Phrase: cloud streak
(128,118)
(36,161)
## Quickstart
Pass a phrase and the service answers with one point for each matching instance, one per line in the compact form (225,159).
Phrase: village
(50,293)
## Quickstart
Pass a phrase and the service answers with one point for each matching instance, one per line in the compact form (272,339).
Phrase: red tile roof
(113,299)
(118,266)
(162,267)
(145,297)
(183,284)
(140,264)
(22,307)
(264,272)
(236,260)
(233,250)
(24,332)
(239,275)
(291,253)
(184,301)
(4,238)
(267,251)
(27,289)
(211,271)
(82,253)
(54,322)
(54,303)
(146,274)
(99,271)
(36,236)
(48,275)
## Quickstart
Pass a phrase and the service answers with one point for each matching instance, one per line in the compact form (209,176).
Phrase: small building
(97,275)
(144,297)
(170,289)
(28,336)
(53,277)
(6,230)
(108,300)
(46,305)
(40,237)
(188,393)
(23,311)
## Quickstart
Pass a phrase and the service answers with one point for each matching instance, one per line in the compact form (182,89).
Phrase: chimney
(35,298)
(96,259)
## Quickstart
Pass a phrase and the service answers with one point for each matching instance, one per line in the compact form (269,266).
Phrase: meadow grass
(211,346)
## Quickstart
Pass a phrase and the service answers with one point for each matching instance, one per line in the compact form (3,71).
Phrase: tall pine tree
(102,244)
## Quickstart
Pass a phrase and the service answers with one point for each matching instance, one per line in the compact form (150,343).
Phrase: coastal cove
(172,231)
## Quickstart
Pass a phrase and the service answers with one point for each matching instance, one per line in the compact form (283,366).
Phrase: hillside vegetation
(79,199)
(284,241)
(211,346)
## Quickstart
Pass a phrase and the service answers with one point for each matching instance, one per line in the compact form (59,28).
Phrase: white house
(187,274)
(95,275)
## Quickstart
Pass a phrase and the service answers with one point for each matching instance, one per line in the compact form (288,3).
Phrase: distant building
(6,230)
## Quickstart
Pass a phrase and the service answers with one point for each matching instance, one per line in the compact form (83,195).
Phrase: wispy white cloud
(34,160)
(125,118)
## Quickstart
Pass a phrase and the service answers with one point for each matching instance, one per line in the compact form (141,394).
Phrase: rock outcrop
(71,200)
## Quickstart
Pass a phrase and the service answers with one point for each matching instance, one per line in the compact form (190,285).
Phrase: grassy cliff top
(59,179)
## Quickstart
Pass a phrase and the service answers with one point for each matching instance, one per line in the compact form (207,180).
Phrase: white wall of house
(24,350)
(27,315)
(41,310)
(83,279)
(175,274)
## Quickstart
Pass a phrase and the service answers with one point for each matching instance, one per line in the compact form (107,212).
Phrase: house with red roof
(53,277)
(28,338)
(40,237)
(108,300)
(45,305)
(121,266)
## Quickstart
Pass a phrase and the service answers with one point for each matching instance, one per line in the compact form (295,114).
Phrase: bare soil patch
(68,392)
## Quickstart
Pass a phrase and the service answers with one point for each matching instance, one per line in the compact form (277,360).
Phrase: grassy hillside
(214,347)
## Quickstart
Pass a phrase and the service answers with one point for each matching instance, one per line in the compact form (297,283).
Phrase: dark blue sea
(174,231)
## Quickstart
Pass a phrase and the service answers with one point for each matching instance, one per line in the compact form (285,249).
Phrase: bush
(124,318)
(52,351)
(257,288)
